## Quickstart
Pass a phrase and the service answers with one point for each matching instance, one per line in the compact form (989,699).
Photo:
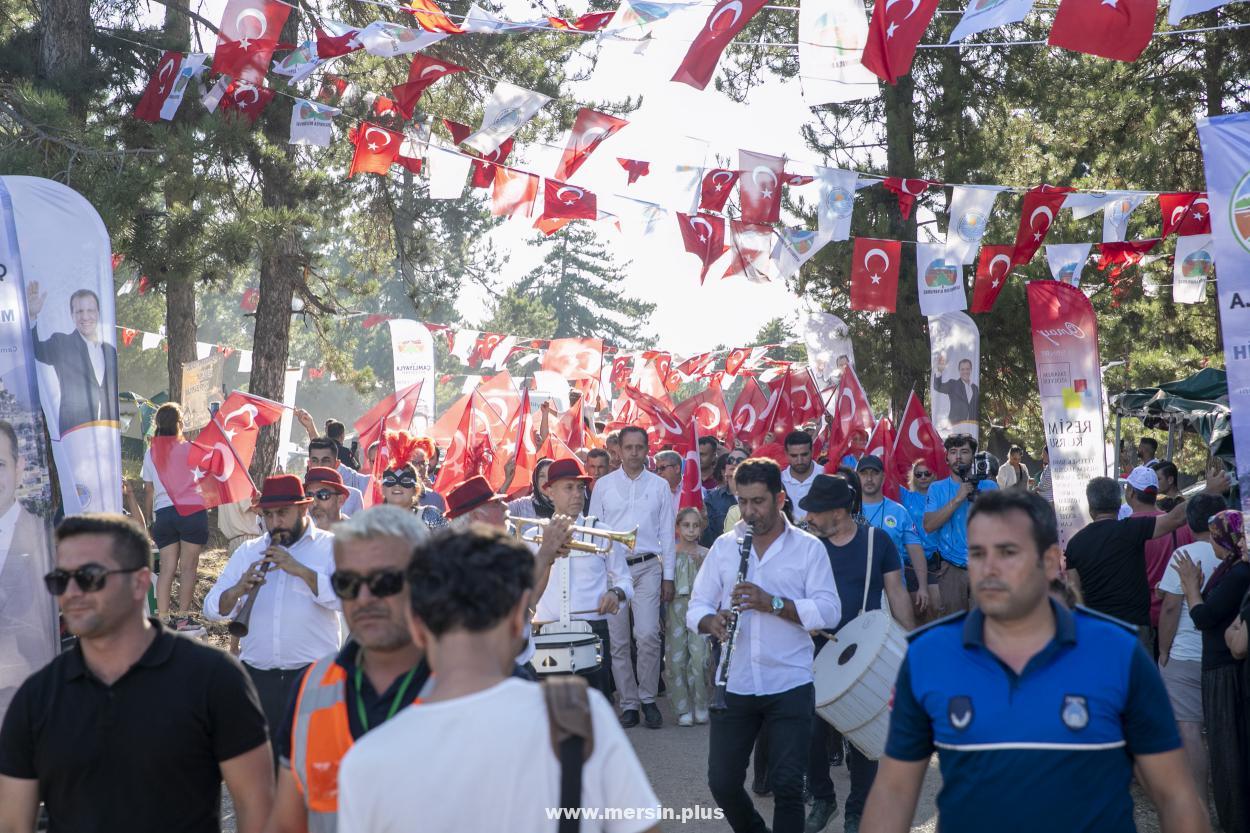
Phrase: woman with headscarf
(536,504)
(1213,607)
(401,481)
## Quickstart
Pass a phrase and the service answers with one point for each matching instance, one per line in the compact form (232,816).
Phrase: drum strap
(572,738)
(872,535)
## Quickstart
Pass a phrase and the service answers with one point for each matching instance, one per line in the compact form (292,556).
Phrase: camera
(984,466)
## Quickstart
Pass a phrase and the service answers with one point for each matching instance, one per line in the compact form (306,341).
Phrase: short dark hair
(84,293)
(633,428)
(1150,441)
(851,476)
(1015,449)
(323,442)
(335,430)
(1201,508)
(6,430)
(613,436)
(167,418)
(1147,498)
(1041,514)
(468,579)
(130,541)
(1169,468)
(960,441)
(759,470)
(598,452)
(963,362)
(1103,495)
(712,441)
(798,438)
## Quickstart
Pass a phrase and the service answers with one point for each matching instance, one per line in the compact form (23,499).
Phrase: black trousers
(862,770)
(275,688)
(601,677)
(786,719)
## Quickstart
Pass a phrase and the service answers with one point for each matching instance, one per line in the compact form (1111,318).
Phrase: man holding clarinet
(276,591)
(773,582)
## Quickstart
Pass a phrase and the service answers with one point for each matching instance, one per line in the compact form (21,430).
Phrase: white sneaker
(685,720)
(700,716)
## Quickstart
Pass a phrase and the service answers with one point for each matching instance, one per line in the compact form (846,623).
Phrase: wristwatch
(778,604)
(620,594)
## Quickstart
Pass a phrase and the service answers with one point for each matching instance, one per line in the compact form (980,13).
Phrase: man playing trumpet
(599,583)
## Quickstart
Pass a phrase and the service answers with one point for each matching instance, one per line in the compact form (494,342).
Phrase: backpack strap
(572,738)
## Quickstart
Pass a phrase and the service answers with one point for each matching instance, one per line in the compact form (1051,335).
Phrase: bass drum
(855,674)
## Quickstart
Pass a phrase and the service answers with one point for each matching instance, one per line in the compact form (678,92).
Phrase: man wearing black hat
(829,505)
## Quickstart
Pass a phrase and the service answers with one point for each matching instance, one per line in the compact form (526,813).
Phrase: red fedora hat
(281,490)
(328,477)
(469,495)
(567,468)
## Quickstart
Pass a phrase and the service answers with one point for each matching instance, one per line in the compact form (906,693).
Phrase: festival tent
(1197,404)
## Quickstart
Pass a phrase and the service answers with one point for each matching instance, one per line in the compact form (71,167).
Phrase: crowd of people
(1039,707)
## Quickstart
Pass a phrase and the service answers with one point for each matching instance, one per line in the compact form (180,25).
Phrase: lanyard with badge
(399,697)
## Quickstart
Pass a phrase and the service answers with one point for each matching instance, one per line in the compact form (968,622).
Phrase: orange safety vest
(320,737)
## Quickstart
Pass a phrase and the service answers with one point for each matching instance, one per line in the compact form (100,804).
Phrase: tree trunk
(65,48)
(180,323)
(1213,72)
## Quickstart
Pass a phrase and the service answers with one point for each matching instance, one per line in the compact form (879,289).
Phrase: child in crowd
(686,661)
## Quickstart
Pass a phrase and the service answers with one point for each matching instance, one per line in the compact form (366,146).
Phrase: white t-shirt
(160,498)
(485,762)
(1187,644)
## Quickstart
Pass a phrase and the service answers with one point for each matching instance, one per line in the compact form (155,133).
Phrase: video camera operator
(946,515)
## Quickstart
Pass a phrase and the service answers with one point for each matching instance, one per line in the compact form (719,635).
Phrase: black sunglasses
(90,578)
(407,481)
(735,461)
(323,494)
(381,583)
(923,473)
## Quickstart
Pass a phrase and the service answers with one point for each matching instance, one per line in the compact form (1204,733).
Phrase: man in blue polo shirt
(892,518)
(946,518)
(1039,714)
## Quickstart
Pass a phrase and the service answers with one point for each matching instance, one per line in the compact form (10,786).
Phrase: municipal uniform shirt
(1050,749)
(646,501)
(952,536)
(797,490)
(914,503)
(890,517)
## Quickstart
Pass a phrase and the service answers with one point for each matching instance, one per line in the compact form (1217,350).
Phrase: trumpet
(515,527)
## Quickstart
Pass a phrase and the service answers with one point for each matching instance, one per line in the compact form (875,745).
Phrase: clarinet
(722,676)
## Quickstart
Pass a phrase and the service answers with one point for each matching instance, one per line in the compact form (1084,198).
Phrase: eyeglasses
(407,481)
(381,583)
(735,461)
(90,578)
(923,473)
(665,466)
(324,494)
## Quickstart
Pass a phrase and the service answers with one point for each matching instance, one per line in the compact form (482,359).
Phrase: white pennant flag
(1193,267)
(1084,204)
(299,63)
(837,202)
(387,40)
(213,97)
(311,123)
(448,171)
(508,108)
(832,36)
(192,65)
(969,215)
(989,14)
(939,280)
(1066,260)
(245,361)
(794,247)
(483,22)
(150,341)
(1178,9)
(1117,206)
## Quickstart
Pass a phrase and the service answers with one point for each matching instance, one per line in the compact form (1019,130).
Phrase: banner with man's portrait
(955,374)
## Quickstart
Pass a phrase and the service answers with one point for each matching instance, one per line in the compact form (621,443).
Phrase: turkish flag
(691,495)
(483,169)
(752,245)
(554,448)
(759,187)
(917,439)
(443,431)
(707,407)
(744,419)
(571,426)
(247,38)
(704,237)
(335,46)
(717,185)
(1117,29)
(653,376)
(724,22)
(622,370)
(201,473)
(246,100)
(574,358)
(907,190)
(432,18)
(393,413)
(518,446)
(993,268)
(1036,218)
(240,419)
(500,392)
(332,89)
(513,193)
(777,418)
(592,22)
(636,168)
(160,85)
(695,366)
(1120,256)
(805,401)
(665,428)
(881,445)
(1186,214)
(893,34)
(376,150)
(851,409)
(624,412)
(874,274)
(422,73)
(567,202)
(590,129)
(471,450)
(483,347)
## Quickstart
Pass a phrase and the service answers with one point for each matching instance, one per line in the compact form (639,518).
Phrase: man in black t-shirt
(135,728)
(828,505)
(1106,560)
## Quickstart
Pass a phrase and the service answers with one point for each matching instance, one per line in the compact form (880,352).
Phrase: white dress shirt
(771,654)
(646,501)
(290,625)
(797,489)
(590,576)
(95,350)
(8,523)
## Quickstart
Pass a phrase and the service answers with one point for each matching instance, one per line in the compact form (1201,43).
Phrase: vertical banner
(28,615)
(1065,348)
(829,346)
(412,352)
(290,385)
(1226,156)
(955,383)
(201,384)
(68,279)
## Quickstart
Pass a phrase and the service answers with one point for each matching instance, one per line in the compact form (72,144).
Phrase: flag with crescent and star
(707,407)
(893,34)
(874,274)
(752,245)
(247,38)
(483,168)
(1119,256)
(744,419)
(590,129)
(759,186)
(340,40)
(1116,29)
(376,150)
(703,236)
(160,85)
(716,187)
(992,271)
(917,439)
(1185,214)
(636,168)
(564,201)
(665,428)
(1036,218)
(726,20)
(907,190)
(246,100)
(691,496)
(422,73)
(881,445)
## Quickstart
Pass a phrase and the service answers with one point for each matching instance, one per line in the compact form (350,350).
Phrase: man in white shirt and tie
(294,620)
(787,591)
(599,585)
(632,497)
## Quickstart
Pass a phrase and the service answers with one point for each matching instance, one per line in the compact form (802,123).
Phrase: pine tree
(578,282)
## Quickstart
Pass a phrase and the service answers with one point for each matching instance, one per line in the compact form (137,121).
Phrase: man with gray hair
(668,466)
(378,672)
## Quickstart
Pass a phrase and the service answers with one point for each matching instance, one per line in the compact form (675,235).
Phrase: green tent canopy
(1197,404)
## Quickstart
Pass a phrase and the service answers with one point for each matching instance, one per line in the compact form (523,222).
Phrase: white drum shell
(855,675)
(566,653)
